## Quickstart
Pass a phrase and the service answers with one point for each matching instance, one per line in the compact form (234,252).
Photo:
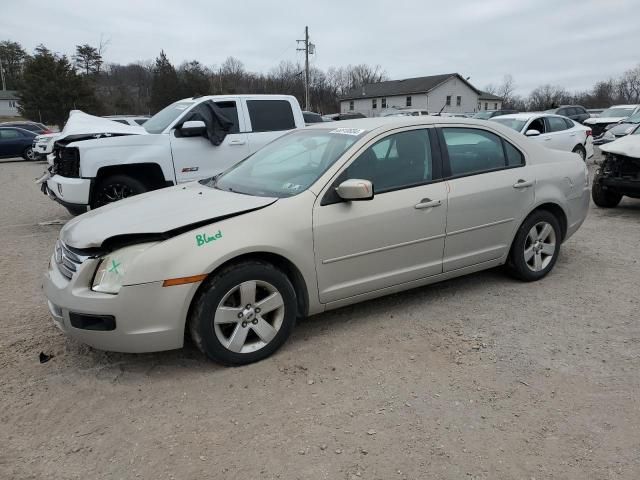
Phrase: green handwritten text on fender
(204,238)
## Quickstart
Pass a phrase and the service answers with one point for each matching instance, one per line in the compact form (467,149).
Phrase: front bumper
(148,317)
(68,191)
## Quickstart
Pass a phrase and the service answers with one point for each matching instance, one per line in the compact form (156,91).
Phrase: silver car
(321,218)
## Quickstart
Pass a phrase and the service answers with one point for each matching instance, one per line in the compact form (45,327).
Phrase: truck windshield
(289,165)
(161,120)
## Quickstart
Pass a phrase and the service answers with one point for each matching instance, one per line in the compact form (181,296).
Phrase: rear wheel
(29,155)
(116,187)
(579,149)
(602,197)
(244,313)
(536,246)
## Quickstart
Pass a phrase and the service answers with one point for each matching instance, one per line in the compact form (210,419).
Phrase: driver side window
(537,124)
(398,161)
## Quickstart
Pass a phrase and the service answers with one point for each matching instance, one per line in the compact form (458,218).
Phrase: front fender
(125,150)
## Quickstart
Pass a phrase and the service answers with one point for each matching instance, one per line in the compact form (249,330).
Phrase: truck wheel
(116,187)
(604,198)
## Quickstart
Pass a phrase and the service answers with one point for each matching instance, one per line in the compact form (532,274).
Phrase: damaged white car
(618,174)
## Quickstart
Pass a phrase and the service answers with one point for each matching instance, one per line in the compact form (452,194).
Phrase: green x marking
(114,267)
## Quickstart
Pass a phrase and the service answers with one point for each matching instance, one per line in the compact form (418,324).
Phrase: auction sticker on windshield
(348,131)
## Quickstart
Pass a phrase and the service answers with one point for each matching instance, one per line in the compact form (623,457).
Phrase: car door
(268,119)
(490,187)
(196,157)
(562,138)
(12,142)
(398,235)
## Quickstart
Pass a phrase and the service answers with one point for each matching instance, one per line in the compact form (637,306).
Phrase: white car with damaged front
(321,218)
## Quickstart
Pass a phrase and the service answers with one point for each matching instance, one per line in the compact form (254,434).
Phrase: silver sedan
(320,218)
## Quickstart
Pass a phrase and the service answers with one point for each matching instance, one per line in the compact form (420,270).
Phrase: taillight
(589,132)
(46,131)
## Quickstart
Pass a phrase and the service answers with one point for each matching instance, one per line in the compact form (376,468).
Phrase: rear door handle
(237,142)
(428,203)
(523,183)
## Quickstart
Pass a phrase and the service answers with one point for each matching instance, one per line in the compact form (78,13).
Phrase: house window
(458,101)
(408,101)
(495,106)
(374,103)
(486,106)
(351,105)
(448,100)
(384,103)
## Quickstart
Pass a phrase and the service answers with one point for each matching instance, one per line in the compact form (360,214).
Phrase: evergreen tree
(51,88)
(87,59)
(12,57)
(165,87)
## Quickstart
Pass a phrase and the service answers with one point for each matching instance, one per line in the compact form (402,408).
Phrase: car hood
(628,146)
(593,121)
(82,125)
(622,128)
(156,215)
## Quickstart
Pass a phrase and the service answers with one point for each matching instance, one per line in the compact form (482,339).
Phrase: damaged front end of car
(619,172)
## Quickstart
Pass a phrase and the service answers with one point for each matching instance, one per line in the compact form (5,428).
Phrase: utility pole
(309,48)
(4,85)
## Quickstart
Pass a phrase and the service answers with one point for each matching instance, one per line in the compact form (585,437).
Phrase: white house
(489,101)
(449,93)
(9,103)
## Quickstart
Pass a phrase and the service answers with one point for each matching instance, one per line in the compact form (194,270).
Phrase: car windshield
(161,120)
(483,115)
(617,112)
(289,165)
(633,119)
(513,123)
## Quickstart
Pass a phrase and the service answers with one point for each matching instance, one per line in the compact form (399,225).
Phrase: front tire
(75,211)
(604,198)
(536,247)
(116,187)
(243,313)
(29,155)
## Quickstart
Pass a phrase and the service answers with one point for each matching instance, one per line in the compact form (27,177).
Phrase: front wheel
(243,313)
(604,198)
(116,187)
(29,155)
(536,246)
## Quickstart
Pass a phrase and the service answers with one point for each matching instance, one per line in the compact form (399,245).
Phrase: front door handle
(428,203)
(523,183)
(237,142)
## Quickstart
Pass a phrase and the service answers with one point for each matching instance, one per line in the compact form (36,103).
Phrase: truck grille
(66,260)
(66,162)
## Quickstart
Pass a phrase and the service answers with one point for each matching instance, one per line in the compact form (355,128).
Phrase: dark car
(311,117)
(574,112)
(16,142)
(35,127)
(487,114)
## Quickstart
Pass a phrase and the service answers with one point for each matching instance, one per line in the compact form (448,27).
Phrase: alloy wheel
(116,191)
(31,155)
(540,246)
(249,316)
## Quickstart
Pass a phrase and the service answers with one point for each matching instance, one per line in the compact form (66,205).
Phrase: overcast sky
(564,42)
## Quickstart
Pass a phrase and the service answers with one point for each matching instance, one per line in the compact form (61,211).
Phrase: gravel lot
(481,377)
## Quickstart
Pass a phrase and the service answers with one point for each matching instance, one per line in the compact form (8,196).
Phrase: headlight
(112,268)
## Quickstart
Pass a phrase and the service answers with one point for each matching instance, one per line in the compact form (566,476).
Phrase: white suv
(191,139)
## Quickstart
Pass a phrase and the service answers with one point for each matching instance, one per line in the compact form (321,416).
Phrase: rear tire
(536,246)
(579,149)
(604,198)
(116,187)
(231,321)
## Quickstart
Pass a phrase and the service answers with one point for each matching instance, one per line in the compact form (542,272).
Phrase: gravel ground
(481,377)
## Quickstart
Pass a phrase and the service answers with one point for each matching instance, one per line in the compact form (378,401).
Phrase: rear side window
(270,115)
(124,122)
(140,121)
(556,124)
(569,122)
(514,156)
(9,133)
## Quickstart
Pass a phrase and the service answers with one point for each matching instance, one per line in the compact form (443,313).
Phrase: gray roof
(8,95)
(402,87)
(488,96)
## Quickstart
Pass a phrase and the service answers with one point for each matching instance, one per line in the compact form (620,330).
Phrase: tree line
(49,84)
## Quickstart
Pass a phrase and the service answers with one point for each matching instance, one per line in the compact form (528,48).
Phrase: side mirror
(192,128)
(355,189)
(532,133)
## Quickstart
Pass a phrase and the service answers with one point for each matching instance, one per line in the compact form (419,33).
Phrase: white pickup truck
(191,139)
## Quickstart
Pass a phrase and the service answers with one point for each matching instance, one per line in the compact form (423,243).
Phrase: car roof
(529,115)
(234,95)
(388,123)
